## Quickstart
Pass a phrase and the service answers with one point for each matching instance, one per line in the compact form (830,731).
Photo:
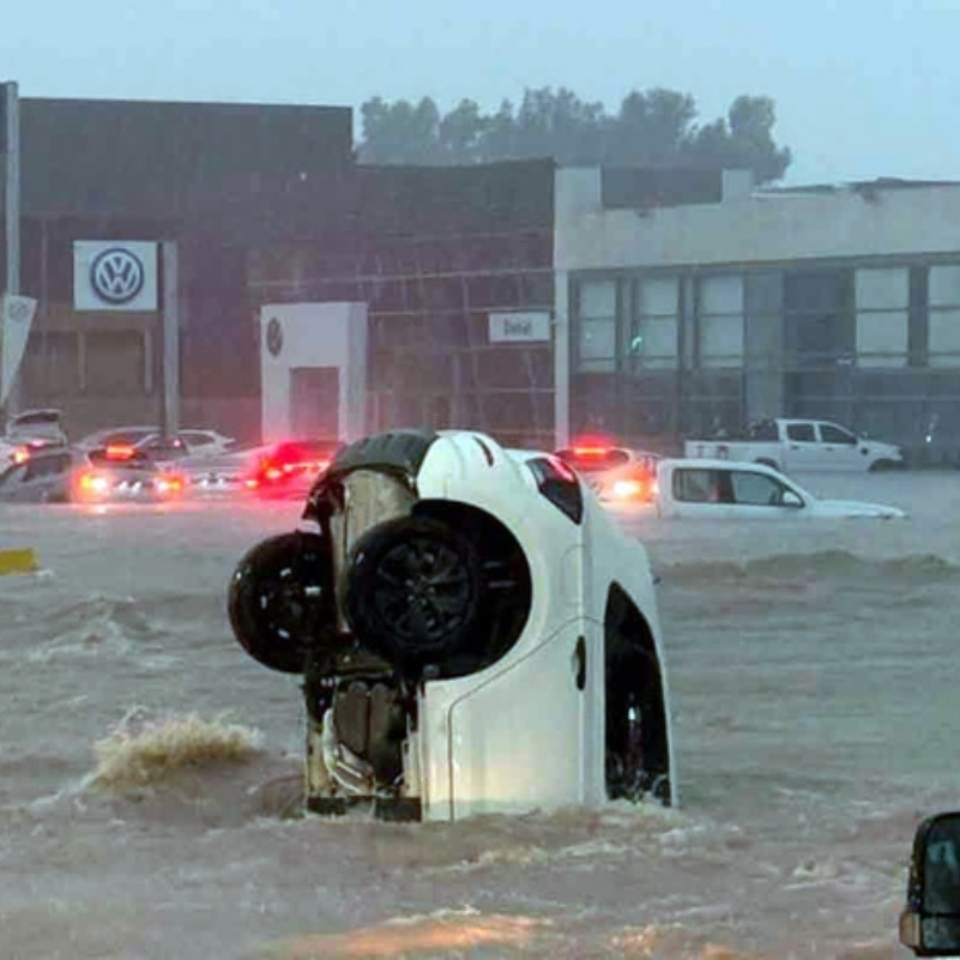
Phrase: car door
(759,496)
(840,448)
(802,450)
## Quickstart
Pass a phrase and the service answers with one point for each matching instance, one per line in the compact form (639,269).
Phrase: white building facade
(679,319)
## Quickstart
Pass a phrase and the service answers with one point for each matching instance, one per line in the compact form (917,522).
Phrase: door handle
(580,663)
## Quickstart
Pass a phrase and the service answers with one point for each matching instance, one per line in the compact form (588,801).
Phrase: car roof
(714,463)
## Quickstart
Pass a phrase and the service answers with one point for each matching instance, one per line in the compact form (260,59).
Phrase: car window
(833,434)
(764,430)
(125,436)
(196,439)
(696,485)
(801,432)
(756,489)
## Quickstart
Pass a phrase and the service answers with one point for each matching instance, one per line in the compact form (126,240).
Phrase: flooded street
(814,676)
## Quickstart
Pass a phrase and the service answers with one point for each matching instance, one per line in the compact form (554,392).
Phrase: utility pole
(10,144)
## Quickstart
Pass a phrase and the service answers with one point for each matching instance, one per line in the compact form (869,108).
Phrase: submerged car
(616,474)
(290,468)
(930,920)
(30,431)
(42,476)
(726,489)
(122,474)
(475,633)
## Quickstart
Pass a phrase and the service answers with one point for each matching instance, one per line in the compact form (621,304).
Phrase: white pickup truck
(728,489)
(795,446)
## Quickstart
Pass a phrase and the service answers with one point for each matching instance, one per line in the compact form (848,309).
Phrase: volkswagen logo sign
(274,337)
(117,275)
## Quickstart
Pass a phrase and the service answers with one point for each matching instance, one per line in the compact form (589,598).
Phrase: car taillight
(169,485)
(93,483)
(20,455)
(627,489)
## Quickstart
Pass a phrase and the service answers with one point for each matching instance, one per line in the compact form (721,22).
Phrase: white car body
(534,725)
(199,443)
(798,446)
(726,489)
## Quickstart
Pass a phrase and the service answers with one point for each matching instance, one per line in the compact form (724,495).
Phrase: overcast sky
(863,88)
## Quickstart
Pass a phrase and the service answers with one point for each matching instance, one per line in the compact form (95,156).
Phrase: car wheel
(412,592)
(279,597)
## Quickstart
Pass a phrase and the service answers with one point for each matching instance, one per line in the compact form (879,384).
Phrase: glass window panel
(658,296)
(885,289)
(654,342)
(597,339)
(756,489)
(801,432)
(882,338)
(598,298)
(944,338)
(944,286)
(721,293)
(721,340)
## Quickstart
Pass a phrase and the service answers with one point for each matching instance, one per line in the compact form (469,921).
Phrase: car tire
(413,593)
(280,599)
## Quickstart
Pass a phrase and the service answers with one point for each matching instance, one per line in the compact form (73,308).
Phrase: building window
(721,321)
(944,316)
(882,302)
(597,326)
(654,331)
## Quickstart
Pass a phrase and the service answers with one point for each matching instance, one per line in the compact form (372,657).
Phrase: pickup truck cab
(795,446)
(728,489)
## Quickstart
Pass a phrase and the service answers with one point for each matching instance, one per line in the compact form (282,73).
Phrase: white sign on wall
(520,327)
(115,275)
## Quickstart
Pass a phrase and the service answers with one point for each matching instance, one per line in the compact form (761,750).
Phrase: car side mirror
(930,921)
(791,499)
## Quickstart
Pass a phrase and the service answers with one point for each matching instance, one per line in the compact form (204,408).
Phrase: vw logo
(274,337)
(117,275)
(18,311)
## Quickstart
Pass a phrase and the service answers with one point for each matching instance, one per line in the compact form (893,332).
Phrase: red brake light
(120,451)
(21,455)
(590,451)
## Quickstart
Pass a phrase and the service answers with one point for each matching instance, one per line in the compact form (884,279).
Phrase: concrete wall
(760,228)
(314,335)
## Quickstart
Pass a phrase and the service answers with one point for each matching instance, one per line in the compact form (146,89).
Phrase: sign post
(10,142)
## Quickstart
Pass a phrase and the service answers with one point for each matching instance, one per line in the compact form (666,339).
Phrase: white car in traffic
(715,489)
(475,633)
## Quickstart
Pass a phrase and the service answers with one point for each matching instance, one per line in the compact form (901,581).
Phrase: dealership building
(708,307)
(232,266)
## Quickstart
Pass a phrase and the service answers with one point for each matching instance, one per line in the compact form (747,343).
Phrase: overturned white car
(475,634)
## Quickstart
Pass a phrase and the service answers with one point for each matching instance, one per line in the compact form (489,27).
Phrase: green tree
(657,127)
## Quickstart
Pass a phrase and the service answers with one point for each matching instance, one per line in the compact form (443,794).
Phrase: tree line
(654,127)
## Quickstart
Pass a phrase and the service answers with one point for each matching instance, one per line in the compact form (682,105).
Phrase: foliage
(656,127)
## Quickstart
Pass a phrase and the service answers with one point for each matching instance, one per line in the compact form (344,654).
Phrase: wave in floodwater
(824,564)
